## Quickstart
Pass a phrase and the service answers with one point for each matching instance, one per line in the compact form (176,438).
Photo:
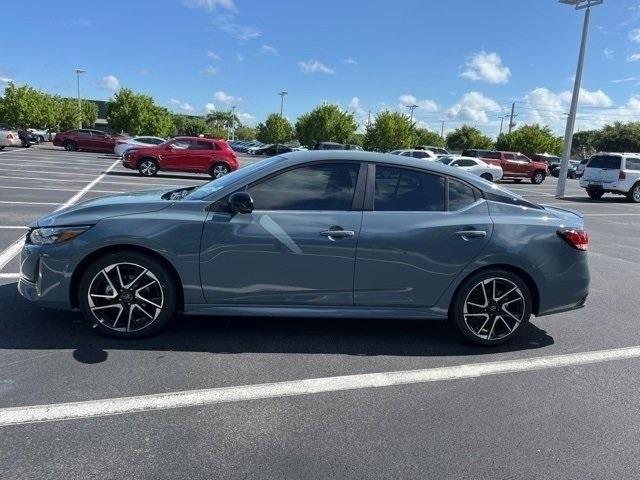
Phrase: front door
(296,248)
(176,155)
(421,232)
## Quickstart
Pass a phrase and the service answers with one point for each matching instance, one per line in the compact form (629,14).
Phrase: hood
(92,211)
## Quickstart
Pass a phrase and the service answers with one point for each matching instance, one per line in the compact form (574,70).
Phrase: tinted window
(466,163)
(201,145)
(522,158)
(605,161)
(97,134)
(316,187)
(402,190)
(406,154)
(509,156)
(460,195)
(180,143)
(421,154)
(633,163)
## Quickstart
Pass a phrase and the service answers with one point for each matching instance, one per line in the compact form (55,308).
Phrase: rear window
(605,161)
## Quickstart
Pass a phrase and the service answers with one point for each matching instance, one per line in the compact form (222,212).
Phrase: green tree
(584,142)
(468,137)
(67,113)
(245,133)
(221,120)
(325,123)
(26,107)
(137,114)
(356,139)
(424,137)
(530,139)
(389,131)
(190,126)
(619,137)
(275,129)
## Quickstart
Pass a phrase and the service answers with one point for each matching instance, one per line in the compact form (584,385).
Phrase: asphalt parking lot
(572,421)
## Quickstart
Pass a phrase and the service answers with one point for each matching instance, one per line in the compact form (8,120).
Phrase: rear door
(84,139)
(419,231)
(101,142)
(602,170)
(201,153)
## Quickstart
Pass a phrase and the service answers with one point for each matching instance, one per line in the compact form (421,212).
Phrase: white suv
(617,173)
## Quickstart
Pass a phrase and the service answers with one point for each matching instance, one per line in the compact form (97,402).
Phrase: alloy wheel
(635,194)
(219,171)
(147,168)
(494,308)
(125,297)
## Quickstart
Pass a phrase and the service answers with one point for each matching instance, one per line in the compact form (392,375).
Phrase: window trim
(358,194)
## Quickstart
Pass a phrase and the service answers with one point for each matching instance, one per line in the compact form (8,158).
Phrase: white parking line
(210,396)
(13,187)
(9,275)
(4,152)
(18,202)
(11,227)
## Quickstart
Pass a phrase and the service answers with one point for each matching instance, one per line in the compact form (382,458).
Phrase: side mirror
(240,202)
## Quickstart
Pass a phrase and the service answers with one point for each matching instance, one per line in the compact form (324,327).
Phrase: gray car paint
(407,264)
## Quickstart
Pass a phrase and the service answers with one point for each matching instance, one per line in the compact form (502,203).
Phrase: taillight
(622,175)
(578,239)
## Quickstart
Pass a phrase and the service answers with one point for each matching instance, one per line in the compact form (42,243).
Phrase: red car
(183,154)
(514,165)
(85,139)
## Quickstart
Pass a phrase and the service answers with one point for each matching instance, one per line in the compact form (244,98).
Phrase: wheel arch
(86,261)
(528,279)
(147,157)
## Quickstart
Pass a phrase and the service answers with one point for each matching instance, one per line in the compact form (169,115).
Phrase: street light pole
(571,119)
(411,108)
(78,72)
(233,122)
(282,94)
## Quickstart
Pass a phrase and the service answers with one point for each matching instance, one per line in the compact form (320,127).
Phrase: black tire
(517,180)
(93,277)
(634,193)
(465,323)
(148,167)
(595,194)
(487,177)
(2,147)
(70,146)
(219,170)
(538,177)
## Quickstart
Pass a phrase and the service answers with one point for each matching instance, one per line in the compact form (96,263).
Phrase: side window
(421,154)
(406,154)
(509,156)
(201,145)
(460,195)
(97,134)
(633,163)
(403,190)
(181,144)
(84,133)
(522,158)
(156,141)
(329,186)
(466,163)
(457,162)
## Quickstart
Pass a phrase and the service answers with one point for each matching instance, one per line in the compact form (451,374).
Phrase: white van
(617,173)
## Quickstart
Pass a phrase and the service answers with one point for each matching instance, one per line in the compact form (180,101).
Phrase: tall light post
(233,122)
(282,94)
(78,72)
(411,108)
(571,119)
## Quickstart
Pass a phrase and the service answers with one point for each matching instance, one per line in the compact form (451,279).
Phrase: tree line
(138,114)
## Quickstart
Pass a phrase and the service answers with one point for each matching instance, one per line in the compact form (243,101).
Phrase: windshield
(207,189)
(605,161)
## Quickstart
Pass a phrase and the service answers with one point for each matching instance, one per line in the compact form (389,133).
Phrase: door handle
(467,235)
(334,233)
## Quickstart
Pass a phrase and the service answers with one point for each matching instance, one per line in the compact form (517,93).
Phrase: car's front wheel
(491,307)
(148,167)
(634,193)
(70,146)
(127,295)
(219,170)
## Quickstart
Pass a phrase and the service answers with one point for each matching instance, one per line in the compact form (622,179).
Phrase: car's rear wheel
(491,307)
(70,146)
(594,193)
(634,193)
(538,177)
(219,170)
(127,295)
(487,176)
(148,167)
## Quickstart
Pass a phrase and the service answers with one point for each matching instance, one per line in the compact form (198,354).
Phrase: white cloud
(213,55)
(174,101)
(211,5)
(486,67)
(109,82)
(239,57)
(633,58)
(6,80)
(211,70)
(314,66)
(625,80)
(187,107)
(226,24)
(634,35)
(350,61)
(428,106)
(224,97)
(608,53)
(245,117)
(209,107)
(596,98)
(474,107)
(268,50)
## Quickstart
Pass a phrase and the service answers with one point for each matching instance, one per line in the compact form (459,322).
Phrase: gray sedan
(321,233)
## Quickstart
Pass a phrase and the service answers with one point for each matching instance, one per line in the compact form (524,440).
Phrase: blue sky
(461,61)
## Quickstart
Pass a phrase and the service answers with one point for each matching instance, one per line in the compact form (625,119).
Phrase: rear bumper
(611,187)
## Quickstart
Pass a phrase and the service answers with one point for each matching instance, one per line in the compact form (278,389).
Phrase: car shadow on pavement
(27,326)
(203,178)
(617,199)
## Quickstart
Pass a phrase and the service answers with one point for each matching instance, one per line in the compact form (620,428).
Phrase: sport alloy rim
(220,171)
(494,308)
(636,194)
(125,297)
(538,177)
(148,167)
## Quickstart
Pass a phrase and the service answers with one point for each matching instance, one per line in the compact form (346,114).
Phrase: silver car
(317,233)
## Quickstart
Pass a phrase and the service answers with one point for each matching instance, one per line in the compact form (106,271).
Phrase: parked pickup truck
(514,165)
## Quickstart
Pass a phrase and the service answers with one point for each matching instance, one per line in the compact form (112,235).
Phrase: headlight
(47,236)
